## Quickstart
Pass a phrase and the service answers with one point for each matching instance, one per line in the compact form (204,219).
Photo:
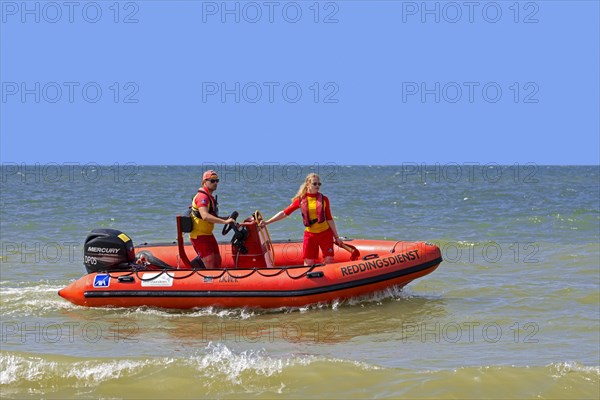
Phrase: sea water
(512,312)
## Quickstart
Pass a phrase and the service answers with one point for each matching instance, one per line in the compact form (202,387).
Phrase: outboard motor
(108,250)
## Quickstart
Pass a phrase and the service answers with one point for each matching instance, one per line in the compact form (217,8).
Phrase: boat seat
(186,223)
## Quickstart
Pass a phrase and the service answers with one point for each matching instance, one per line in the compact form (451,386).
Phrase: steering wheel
(230,226)
(265,236)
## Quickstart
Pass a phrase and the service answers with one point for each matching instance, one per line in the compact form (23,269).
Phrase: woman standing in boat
(320,231)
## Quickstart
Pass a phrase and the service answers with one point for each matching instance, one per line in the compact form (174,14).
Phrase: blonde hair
(304,186)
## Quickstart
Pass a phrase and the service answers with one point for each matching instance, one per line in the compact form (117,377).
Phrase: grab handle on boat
(265,238)
(315,274)
(180,245)
(370,256)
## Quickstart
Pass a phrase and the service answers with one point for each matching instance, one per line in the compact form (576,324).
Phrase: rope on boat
(253,271)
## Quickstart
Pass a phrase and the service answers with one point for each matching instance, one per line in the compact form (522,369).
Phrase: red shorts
(312,242)
(205,245)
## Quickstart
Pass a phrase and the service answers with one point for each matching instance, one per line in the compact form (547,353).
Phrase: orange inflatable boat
(257,272)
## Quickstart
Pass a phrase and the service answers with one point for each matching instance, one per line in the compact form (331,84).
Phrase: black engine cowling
(108,250)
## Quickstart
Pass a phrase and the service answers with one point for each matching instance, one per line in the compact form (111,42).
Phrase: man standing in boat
(205,209)
(320,231)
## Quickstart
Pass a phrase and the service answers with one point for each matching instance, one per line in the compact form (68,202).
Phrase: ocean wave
(22,288)
(221,361)
(563,368)
(234,313)
(218,371)
(32,300)
(216,361)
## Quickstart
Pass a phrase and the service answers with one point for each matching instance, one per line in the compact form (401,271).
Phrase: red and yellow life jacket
(320,210)
(202,227)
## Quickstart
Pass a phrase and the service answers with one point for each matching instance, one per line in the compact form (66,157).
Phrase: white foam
(394,292)
(32,300)
(220,360)
(236,313)
(92,372)
(214,361)
(563,368)
(15,368)
(23,291)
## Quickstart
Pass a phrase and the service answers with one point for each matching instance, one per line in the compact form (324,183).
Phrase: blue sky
(349,82)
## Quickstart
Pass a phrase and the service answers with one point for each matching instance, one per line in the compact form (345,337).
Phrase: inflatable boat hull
(383,264)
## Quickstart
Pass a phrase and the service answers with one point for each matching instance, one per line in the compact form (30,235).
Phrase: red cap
(210,174)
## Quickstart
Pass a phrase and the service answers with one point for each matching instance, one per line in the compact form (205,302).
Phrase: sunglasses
(213,180)
(316,184)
